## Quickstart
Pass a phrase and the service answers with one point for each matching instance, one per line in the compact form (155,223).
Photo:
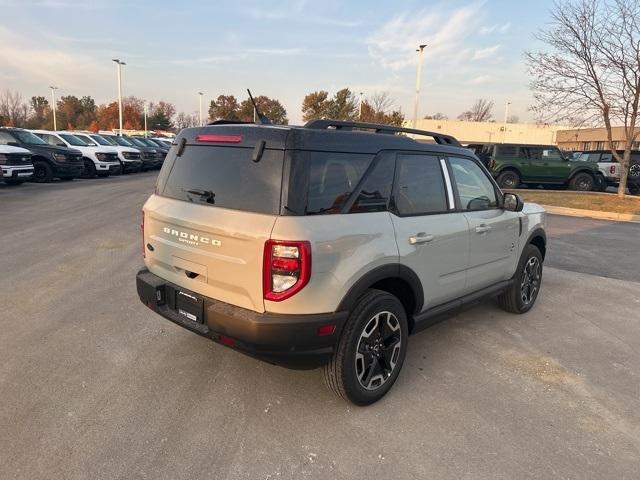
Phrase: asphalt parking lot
(94,385)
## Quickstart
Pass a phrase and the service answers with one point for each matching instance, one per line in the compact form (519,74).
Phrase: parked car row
(42,155)
(514,165)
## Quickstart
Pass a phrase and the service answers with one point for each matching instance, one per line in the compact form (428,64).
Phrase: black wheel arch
(578,170)
(508,168)
(40,158)
(538,238)
(397,279)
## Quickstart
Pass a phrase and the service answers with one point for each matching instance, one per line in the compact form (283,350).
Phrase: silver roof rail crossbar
(322,124)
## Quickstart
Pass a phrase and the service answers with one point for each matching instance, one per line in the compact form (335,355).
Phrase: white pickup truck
(100,161)
(15,164)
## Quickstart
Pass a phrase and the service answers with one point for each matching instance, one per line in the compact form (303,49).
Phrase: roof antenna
(263,119)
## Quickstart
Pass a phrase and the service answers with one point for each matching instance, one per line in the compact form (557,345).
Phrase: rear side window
(332,178)
(419,188)
(227,177)
(506,150)
(376,189)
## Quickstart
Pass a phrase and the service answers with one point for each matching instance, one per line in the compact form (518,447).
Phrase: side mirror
(61,144)
(512,202)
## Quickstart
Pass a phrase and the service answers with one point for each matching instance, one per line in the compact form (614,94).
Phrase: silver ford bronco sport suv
(329,244)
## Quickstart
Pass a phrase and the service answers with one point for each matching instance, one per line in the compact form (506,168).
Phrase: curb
(576,212)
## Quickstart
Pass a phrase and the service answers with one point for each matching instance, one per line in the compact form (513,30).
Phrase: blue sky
(280,49)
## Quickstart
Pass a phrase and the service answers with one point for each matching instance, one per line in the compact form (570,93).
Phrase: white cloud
(497,28)
(485,52)
(40,62)
(394,44)
(481,80)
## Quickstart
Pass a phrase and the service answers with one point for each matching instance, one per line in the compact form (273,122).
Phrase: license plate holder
(190,306)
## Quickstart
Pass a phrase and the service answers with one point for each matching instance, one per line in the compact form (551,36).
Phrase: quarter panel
(343,249)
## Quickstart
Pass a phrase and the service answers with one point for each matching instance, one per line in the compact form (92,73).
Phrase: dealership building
(592,139)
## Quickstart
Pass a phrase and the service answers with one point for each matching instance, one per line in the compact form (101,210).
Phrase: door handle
(421,238)
(482,228)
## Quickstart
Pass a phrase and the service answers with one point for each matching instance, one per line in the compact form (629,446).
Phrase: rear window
(236,182)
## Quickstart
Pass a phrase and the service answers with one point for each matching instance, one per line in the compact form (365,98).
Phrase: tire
(363,355)
(11,181)
(601,184)
(42,172)
(89,169)
(522,294)
(508,179)
(582,182)
(634,189)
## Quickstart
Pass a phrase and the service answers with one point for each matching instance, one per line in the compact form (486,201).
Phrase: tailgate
(212,251)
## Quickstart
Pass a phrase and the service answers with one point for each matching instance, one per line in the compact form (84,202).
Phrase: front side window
(475,190)
(6,138)
(50,139)
(419,188)
(551,154)
(535,153)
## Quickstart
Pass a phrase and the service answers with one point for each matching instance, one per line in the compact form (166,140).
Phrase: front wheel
(42,172)
(582,182)
(522,294)
(371,350)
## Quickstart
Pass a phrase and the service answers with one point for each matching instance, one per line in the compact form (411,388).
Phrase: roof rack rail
(227,122)
(323,124)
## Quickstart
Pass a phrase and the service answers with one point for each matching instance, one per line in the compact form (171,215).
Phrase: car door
(548,165)
(432,238)
(493,231)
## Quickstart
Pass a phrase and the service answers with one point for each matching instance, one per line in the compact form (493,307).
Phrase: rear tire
(508,179)
(522,294)
(370,351)
(582,182)
(42,172)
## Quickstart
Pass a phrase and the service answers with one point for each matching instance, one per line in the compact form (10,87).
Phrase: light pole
(200,107)
(360,108)
(53,106)
(420,51)
(506,119)
(119,64)
(145,119)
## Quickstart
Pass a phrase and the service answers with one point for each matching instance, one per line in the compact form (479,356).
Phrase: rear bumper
(291,341)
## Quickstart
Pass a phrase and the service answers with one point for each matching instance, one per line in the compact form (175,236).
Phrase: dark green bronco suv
(513,164)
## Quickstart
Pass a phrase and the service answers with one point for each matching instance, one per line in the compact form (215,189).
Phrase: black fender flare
(508,167)
(538,232)
(383,272)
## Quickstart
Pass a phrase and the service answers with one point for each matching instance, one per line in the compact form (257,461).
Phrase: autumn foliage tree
(342,106)
(226,107)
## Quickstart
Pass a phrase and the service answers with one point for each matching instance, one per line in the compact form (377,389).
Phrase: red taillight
(209,138)
(612,169)
(144,249)
(286,268)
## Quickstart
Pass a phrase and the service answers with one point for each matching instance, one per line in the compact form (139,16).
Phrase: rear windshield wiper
(204,195)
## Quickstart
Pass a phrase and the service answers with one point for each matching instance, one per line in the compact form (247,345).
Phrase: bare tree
(185,120)
(591,70)
(12,109)
(481,111)
(436,116)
